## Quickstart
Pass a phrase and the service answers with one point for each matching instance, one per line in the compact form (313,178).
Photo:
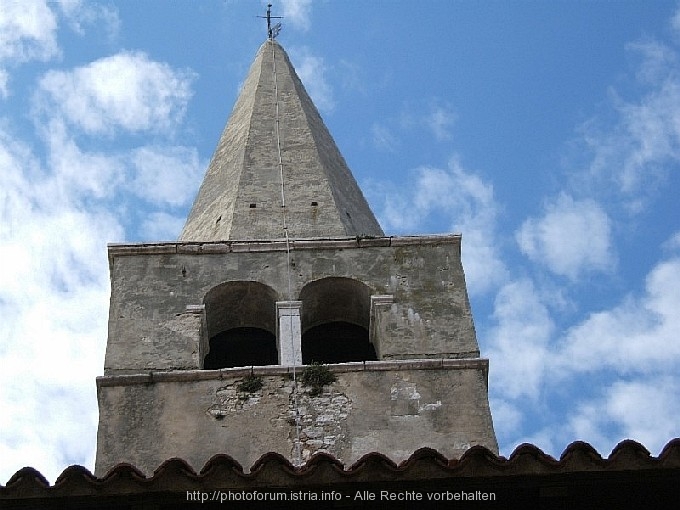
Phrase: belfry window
(335,321)
(241,323)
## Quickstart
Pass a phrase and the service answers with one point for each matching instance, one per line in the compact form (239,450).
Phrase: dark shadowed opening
(335,321)
(241,325)
(336,342)
(241,347)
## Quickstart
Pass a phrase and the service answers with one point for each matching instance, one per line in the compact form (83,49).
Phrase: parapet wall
(390,407)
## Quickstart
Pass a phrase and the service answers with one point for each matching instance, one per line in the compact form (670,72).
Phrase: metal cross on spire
(272,31)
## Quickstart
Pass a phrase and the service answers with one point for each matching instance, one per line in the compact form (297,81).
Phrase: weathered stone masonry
(374,406)
(259,285)
(419,306)
(418,310)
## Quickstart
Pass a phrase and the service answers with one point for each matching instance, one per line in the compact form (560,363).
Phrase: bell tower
(281,264)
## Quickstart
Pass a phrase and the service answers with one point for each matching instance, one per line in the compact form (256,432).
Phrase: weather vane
(272,31)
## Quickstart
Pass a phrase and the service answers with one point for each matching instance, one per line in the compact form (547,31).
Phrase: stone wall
(415,289)
(390,407)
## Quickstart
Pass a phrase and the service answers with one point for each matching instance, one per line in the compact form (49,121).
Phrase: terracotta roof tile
(274,471)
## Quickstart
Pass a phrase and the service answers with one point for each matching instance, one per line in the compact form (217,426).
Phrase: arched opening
(241,323)
(240,347)
(335,321)
(336,342)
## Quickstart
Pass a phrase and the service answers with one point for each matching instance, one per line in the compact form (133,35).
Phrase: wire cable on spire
(298,453)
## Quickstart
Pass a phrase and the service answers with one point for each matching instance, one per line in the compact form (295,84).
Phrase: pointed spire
(275,133)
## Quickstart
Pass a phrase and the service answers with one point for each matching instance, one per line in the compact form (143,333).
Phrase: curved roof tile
(274,470)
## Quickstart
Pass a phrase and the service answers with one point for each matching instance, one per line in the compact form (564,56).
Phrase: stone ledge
(316,244)
(271,245)
(257,246)
(274,370)
(440,355)
(208,248)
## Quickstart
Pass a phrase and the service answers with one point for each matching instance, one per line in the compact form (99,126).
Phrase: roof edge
(272,469)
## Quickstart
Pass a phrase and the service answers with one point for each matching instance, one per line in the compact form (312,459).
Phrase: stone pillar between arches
(381,306)
(289,332)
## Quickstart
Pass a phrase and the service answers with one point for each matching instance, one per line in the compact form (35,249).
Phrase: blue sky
(547,133)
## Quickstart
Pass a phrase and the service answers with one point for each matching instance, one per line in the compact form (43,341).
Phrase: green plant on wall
(316,376)
(251,384)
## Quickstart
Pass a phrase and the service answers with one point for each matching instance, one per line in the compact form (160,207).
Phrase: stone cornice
(274,245)
(131,379)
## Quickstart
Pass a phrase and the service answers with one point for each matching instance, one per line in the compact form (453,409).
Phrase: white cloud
(657,61)
(393,202)
(297,13)
(613,373)
(125,91)
(53,299)
(78,173)
(484,269)
(653,131)
(588,422)
(571,238)
(436,116)
(4,80)
(631,158)
(150,97)
(166,175)
(638,335)
(519,342)
(506,416)
(440,120)
(645,409)
(27,31)
(55,222)
(619,366)
(455,188)
(675,22)
(312,71)
(672,243)
(162,226)
(79,14)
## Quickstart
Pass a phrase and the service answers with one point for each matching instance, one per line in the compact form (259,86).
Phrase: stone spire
(242,196)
